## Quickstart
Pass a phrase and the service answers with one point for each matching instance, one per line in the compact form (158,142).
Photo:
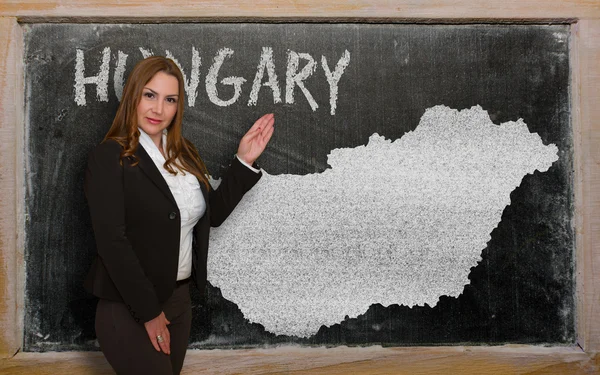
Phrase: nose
(158,107)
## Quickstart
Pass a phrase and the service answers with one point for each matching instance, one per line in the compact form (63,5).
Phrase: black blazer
(137,227)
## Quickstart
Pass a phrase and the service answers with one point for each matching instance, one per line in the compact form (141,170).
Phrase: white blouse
(188,196)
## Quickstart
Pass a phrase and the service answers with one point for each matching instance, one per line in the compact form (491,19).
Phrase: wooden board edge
(20,193)
(589,246)
(288,19)
(11,233)
(578,189)
(507,359)
(303,9)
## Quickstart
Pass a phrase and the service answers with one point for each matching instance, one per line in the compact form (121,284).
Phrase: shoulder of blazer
(108,149)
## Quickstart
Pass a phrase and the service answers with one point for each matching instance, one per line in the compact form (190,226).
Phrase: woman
(152,208)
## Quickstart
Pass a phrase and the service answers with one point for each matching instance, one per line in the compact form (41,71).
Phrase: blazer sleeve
(106,199)
(236,182)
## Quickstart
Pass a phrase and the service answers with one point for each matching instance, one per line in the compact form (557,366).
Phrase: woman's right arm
(106,199)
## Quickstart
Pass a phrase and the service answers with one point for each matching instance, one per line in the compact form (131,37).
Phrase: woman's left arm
(239,178)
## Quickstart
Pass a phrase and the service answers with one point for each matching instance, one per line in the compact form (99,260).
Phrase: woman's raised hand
(253,143)
(159,333)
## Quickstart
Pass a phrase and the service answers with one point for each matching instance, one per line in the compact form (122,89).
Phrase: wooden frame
(585,62)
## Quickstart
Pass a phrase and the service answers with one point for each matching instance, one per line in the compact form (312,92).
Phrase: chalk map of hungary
(397,222)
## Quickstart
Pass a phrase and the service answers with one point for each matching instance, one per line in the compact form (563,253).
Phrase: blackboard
(521,291)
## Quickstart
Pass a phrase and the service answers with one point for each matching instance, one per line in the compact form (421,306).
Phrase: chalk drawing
(211,80)
(191,83)
(266,61)
(100,80)
(334,78)
(397,222)
(146,52)
(118,80)
(295,78)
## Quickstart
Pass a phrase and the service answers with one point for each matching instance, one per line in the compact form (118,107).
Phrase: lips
(153,121)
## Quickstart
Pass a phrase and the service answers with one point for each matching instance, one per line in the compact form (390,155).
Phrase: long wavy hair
(181,153)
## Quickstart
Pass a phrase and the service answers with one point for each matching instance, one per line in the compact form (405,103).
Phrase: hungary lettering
(299,67)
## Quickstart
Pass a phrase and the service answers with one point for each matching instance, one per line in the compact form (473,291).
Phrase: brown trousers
(126,344)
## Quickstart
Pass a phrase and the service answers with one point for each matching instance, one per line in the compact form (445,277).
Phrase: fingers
(165,345)
(154,342)
(265,131)
(261,122)
(267,134)
(159,334)
(259,127)
(268,125)
(250,135)
(162,342)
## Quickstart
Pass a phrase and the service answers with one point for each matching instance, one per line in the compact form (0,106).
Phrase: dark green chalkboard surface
(521,291)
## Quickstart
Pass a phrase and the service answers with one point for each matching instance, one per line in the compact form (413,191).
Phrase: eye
(172,100)
(148,95)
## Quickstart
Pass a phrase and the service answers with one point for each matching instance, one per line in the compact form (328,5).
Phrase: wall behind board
(521,290)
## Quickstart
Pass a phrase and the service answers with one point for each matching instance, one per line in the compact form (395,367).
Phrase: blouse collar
(151,147)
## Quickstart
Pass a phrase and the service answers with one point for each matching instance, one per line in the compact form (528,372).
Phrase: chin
(152,129)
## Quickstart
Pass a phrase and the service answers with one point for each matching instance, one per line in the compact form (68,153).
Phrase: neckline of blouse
(151,147)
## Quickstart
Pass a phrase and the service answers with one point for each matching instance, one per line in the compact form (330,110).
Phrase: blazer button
(172,215)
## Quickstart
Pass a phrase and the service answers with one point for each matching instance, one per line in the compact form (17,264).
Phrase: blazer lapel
(204,193)
(150,169)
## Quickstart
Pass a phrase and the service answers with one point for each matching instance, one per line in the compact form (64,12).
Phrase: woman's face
(158,105)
